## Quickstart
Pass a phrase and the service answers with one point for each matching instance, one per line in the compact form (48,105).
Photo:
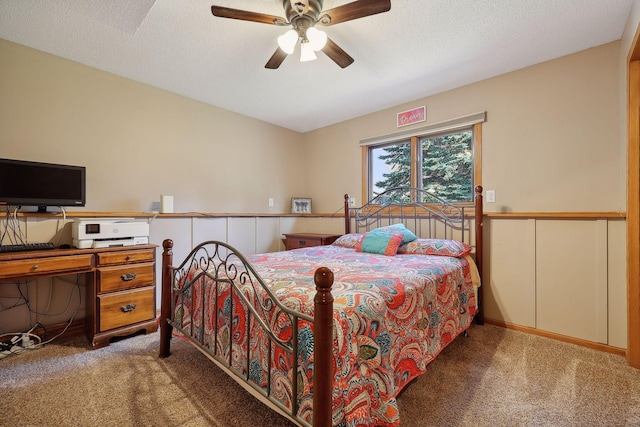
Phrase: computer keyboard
(26,247)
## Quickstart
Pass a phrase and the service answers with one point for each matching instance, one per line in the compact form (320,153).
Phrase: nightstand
(305,240)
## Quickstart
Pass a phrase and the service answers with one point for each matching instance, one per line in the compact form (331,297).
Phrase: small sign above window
(409,117)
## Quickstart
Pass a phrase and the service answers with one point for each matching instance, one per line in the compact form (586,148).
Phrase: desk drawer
(125,257)
(125,277)
(45,265)
(126,308)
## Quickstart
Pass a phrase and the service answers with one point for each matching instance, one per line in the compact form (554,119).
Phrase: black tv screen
(24,183)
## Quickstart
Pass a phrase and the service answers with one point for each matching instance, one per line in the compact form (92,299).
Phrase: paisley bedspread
(392,316)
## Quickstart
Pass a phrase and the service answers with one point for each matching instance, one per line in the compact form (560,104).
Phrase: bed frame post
(479,229)
(165,308)
(347,215)
(323,349)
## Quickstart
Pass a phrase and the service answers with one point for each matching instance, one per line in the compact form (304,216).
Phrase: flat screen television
(24,183)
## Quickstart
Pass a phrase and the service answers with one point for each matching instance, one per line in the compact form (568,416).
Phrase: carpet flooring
(493,377)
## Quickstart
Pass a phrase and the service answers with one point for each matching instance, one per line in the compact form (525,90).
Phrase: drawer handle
(303,242)
(128,277)
(127,308)
(35,267)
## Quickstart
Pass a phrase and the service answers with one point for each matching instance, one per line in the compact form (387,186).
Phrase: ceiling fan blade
(276,59)
(335,52)
(355,10)
(244,15)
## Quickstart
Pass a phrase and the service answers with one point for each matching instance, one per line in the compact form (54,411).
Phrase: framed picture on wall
(300,205)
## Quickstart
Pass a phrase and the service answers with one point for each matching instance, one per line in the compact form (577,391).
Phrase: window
(446,166)
(438,159)
(390,167)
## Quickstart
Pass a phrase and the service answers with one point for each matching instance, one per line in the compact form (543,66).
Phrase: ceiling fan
(303,16)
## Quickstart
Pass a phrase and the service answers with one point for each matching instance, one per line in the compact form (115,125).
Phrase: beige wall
(138,142)
(553,141)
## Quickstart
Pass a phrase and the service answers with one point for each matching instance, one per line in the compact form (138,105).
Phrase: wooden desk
(121,296)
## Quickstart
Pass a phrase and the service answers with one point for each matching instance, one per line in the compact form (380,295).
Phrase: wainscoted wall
(249,235)
(65,299)
(553,130)
(563,276)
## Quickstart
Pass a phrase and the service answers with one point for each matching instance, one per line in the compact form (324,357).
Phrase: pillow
(348,240)
(445,247)
(407,237)
(380,242)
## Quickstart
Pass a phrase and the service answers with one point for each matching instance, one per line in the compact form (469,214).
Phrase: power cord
(155,214)
(20,298)
(70,322)
(21,341)
(29,340)
(64,220)
(12,229)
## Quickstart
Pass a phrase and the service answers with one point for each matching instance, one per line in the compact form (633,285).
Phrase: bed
(330,335)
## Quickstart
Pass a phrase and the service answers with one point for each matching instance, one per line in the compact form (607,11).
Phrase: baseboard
(564,338)
(77,327)
(571,340)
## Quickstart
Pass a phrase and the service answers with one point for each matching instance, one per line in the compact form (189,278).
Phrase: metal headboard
(423,212)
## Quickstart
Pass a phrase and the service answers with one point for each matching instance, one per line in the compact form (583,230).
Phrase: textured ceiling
(419,48)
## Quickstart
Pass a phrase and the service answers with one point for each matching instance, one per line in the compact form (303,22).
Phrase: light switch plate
(491,196)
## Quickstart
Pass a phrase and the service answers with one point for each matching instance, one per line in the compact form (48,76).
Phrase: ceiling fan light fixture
(303,16)
(306,52)
(317,38)
(287,41)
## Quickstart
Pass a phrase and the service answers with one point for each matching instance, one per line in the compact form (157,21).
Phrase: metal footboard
(217,301)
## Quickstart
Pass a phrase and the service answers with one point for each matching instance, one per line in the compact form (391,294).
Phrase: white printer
(109,232)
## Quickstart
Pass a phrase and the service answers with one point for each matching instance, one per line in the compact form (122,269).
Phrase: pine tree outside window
(447,166)
(390,167)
